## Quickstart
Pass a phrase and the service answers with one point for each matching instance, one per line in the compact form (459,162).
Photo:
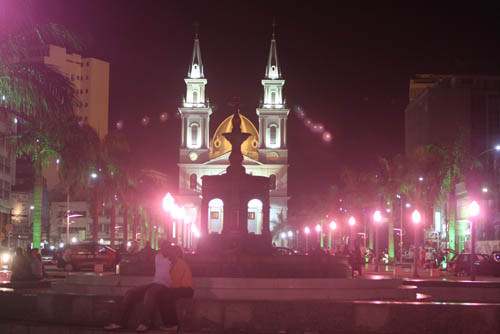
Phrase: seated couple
(172,281)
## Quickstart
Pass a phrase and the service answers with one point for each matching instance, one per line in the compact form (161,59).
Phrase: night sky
(347,67)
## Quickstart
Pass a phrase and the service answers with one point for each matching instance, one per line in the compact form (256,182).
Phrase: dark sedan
(483,264)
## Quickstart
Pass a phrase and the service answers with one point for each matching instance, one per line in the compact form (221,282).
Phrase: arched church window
(194,134)
(195,97)
(193,181)
(272,182)
(272,134)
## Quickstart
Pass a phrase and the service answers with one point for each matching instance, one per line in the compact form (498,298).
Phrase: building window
(272,134)
(251,216)
(194,135)
(193,181)
(214,215)
(195,97)
(273,97)
(272,182)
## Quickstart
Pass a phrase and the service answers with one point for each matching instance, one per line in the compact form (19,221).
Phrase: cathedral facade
(265,151)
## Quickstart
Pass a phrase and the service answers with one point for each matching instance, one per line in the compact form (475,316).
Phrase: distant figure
(147,253)
(345,252)
(356,260)
(36,265)
(134,248)
(21,268)
(422,256)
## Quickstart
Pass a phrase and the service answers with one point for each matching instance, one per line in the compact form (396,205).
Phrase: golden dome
(220,145)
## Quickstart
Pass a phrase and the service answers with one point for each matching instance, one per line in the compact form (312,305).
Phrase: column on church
(282,128)
(183,142)
(284,132)
(264,128)
(266,229)
(261,130)
(204,216)
(203,132)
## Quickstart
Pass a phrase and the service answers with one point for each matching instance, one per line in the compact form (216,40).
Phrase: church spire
(196,67)
(273,70)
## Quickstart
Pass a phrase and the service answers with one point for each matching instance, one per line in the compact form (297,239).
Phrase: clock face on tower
(193,156)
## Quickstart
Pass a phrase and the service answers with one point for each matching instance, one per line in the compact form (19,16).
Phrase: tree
(76,156)
(390,179)
(457,163)
(37,95)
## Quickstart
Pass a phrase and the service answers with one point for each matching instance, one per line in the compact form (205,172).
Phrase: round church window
(254,143)
(217,143)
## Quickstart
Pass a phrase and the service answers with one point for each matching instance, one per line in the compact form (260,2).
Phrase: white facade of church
(265,152)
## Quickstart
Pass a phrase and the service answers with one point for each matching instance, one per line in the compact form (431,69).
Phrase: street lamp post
(377,218)
(319,233)
(352,222)
(416,218)
(307,230)
(473,211)
(333,226)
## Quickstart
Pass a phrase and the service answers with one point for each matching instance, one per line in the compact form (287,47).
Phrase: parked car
(85,255)
(483,264)
(279,251)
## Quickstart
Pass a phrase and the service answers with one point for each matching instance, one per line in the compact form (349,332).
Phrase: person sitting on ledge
(182,287)
(148,294)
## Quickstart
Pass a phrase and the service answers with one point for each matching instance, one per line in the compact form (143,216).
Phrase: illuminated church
(265,151)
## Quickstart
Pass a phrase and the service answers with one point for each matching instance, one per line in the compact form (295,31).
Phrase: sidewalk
(387,271)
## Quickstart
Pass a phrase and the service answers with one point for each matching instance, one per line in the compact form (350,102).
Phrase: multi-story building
(265,151)
(7,172)
(90,77)
(441,108)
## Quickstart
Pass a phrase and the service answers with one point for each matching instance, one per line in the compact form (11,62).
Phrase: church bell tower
(273,112)
(195,113)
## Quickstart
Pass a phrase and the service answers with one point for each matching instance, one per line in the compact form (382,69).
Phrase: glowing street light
(283,235)
(290,234)
(352,222)
(377,218)
(93,175)
(416,218)
(307,230)
(73,240)
(473,212)
(168,203)
(484,190)
(318,228)
(333,226)
(421,178)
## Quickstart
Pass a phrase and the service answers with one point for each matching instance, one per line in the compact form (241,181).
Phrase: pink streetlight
(318,228)
(416,218)
(352,221)
(377,218)
(473,212)
(307,230)
(333,227)
(168,203)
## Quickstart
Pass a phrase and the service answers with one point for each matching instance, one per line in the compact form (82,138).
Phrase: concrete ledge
(250,288)
(62,314)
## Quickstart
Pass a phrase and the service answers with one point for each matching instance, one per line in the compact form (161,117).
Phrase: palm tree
(108,170)
(457,164)
(36,94)
(78,154)
(390,178)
